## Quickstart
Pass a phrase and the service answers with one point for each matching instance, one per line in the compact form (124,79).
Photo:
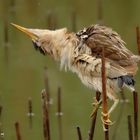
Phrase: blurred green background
(22,68)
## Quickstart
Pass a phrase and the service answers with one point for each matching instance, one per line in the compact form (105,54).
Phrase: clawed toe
(105,119)
(95,102)
(94,112)
(96,107)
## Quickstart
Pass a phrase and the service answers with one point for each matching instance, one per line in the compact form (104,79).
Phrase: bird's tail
(127,81)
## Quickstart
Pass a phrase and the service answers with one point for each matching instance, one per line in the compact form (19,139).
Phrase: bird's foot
(105,119)
(96,105)
(95,102)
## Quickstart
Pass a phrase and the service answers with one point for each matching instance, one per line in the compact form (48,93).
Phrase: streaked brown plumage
(115,50)
(81,53)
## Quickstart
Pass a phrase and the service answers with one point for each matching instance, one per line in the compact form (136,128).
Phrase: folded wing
(96,37)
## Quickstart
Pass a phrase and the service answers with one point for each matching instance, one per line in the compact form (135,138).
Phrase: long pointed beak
(26,31)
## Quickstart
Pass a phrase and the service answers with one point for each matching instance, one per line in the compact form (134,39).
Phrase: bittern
(81,53)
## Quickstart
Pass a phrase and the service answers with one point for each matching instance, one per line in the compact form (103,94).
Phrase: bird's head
(46,41)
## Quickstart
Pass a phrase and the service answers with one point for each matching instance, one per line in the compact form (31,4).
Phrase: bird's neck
(67,54)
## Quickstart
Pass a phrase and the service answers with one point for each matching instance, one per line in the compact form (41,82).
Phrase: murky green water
(21,68)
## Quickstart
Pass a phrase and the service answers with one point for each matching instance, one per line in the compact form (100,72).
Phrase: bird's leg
(116,101)
(105,116)
(96,105)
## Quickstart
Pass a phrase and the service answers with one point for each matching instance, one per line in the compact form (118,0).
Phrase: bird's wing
(90,65)
(96,37)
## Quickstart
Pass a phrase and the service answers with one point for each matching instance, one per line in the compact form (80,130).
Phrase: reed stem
(93,123)
(30,112)
(135,102)
(104,97)
(138,38)
(79,133)
(130,132)
(46,123)
(59,113)
(17,131)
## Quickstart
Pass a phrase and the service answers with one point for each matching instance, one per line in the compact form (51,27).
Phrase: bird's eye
(37,46)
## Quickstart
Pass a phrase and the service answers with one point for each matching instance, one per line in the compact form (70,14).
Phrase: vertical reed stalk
(1,129)
(6,41)
(104,97)
(79,133)
(135,102)
(93,123)
(130,132)
(46,82)
(135,94)
(46,125)
(30,112)
(59,114)
(138,38)
(17,131)
(0,110)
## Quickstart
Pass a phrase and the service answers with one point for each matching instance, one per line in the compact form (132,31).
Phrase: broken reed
(93,123)
(45,107)
(17,131)
(79,133)
(59,113)
(104,97)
